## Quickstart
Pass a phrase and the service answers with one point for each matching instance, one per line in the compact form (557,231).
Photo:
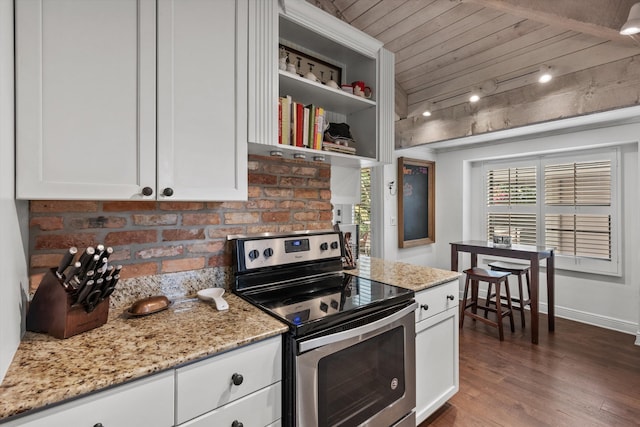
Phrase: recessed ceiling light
(427,113)
(545,78)
(545,75)
(474,97)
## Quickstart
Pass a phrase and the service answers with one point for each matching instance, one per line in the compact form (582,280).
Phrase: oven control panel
(276,251)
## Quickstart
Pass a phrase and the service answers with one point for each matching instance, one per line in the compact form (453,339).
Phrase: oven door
(360,376)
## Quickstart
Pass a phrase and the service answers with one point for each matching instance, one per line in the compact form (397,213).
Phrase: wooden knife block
(51,312)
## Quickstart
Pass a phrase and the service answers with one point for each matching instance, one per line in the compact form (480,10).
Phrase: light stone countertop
(46,370)
(401,274)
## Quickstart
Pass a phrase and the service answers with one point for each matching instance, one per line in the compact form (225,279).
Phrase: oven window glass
(358,382)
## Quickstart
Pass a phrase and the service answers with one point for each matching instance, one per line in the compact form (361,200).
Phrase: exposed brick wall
(159,237)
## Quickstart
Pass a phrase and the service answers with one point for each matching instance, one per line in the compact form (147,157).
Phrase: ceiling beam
(605,87)
(600,18)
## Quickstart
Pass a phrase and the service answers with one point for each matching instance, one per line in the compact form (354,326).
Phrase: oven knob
(324,246)
(334,304)
(254,254)
(324,307)
(334,245)
(267,252)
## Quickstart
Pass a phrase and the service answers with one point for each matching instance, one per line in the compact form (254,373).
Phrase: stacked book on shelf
(338,148)
(300,125)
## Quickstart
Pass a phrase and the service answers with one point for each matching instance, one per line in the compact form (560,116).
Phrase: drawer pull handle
(425,307)
(237,380)
(237,423)
(451,297)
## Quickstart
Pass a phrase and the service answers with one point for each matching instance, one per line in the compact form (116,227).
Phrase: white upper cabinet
(310,35)
(87,110)
(202,99)
(85,98)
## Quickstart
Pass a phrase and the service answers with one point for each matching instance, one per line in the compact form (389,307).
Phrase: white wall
(419,255)
(611,302)
(13,215)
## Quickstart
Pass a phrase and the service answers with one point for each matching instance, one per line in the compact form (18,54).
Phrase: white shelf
(309,92)
(289,152)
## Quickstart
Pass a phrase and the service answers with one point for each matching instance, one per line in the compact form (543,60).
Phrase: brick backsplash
(151,237)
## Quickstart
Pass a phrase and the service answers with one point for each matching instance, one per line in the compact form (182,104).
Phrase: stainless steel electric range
(349,355)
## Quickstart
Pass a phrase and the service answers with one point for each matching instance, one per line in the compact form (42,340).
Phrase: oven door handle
(361,330)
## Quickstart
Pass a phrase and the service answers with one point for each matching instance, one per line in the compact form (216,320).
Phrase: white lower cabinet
(147,402)
(257,409)
(437,359)
(241,387)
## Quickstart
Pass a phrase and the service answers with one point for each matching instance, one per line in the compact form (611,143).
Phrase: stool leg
(463,306)
(521,300)
(487,300)
(499,312)
(509,307)
(474,297)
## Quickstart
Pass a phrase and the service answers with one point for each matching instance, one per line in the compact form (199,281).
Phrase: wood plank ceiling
(445,49)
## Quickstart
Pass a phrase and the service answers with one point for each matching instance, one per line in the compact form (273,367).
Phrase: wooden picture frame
(416,202)
(322,69)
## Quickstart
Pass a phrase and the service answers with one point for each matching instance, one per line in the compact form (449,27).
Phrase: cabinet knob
(237,379)
(451,297)
(168,192)
(237,423)
(147,191)
(425,307)
(98,425)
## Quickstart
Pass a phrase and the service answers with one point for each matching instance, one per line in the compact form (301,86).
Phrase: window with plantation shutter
(569,202)
(511,203)
(578,201)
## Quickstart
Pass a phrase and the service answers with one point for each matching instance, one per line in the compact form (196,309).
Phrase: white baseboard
(590,319)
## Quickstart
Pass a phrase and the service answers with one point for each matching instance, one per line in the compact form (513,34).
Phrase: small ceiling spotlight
(545,75)
(427,113)
(632,26)
(474,97)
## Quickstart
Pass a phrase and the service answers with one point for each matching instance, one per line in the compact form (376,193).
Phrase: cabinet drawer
(258,409)
(207,385)
(146,402)
(435,300)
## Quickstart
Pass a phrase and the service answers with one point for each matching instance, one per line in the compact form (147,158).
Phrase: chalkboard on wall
(416,202)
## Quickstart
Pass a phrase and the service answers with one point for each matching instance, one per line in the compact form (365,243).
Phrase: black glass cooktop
(315,303)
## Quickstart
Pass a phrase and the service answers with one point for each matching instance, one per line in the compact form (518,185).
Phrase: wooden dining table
(534,254)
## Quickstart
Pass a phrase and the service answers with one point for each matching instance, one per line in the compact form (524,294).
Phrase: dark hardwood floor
(580,375)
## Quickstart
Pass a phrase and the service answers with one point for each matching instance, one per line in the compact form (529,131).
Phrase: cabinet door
(436,362)
(146,402)
(202,99)
(85,98)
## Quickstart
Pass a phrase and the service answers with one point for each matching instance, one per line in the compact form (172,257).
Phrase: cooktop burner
(320,302)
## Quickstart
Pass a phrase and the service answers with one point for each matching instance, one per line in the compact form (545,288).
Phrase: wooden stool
(518,270)
(476,275)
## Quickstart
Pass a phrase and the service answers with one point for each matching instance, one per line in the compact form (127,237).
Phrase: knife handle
(87,255)
(84,292)
(67,258)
